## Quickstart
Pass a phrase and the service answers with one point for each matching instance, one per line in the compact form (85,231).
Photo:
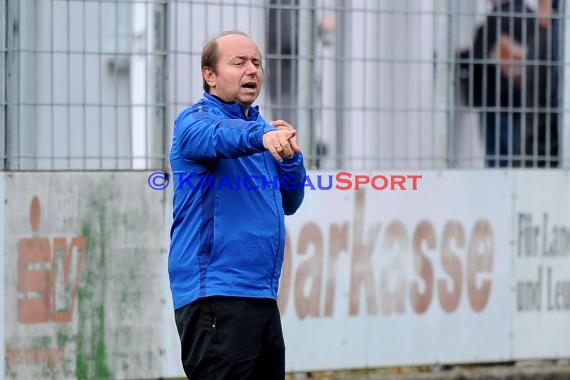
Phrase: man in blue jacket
(235,177)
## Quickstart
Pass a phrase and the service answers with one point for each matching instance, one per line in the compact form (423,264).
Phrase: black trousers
(231,338)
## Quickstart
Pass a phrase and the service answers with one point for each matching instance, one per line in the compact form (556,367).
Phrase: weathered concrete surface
(541,370)
(84,273)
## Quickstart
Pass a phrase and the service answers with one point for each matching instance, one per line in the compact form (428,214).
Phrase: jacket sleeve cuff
(293,162)
(257,138)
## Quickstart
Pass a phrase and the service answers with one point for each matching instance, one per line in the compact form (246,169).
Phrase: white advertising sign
(394,277)
(542,266)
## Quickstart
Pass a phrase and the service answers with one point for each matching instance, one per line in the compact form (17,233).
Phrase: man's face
(238,74)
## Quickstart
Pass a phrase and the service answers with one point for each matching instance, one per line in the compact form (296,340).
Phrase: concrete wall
(84,276)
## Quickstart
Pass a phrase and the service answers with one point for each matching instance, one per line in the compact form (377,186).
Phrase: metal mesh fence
(369,84)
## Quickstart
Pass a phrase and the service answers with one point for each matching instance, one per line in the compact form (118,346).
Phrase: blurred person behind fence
(542,89)
(500,51)
(227,241)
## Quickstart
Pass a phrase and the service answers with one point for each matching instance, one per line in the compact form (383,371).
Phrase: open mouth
(250,85)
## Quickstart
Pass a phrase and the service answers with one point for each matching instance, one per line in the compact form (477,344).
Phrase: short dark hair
(210,54)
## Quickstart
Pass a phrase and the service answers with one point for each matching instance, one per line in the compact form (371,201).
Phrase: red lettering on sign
(48,276)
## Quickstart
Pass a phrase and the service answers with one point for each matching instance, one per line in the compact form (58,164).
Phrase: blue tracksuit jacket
(230,197)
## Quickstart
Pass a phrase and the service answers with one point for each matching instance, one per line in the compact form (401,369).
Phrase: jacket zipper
(276,254)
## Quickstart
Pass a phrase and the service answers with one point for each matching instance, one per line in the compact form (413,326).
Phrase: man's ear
(209,76)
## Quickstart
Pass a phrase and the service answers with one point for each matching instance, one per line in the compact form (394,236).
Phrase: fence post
(10,138)
(305,105)
(443,88)
(148,85)
(564,135)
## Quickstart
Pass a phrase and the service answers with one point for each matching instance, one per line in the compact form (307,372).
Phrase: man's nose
(251,68)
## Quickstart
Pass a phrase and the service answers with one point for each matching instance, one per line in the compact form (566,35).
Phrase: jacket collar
(233,109)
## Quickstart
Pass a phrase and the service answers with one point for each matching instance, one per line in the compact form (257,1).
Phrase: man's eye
(239,63)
